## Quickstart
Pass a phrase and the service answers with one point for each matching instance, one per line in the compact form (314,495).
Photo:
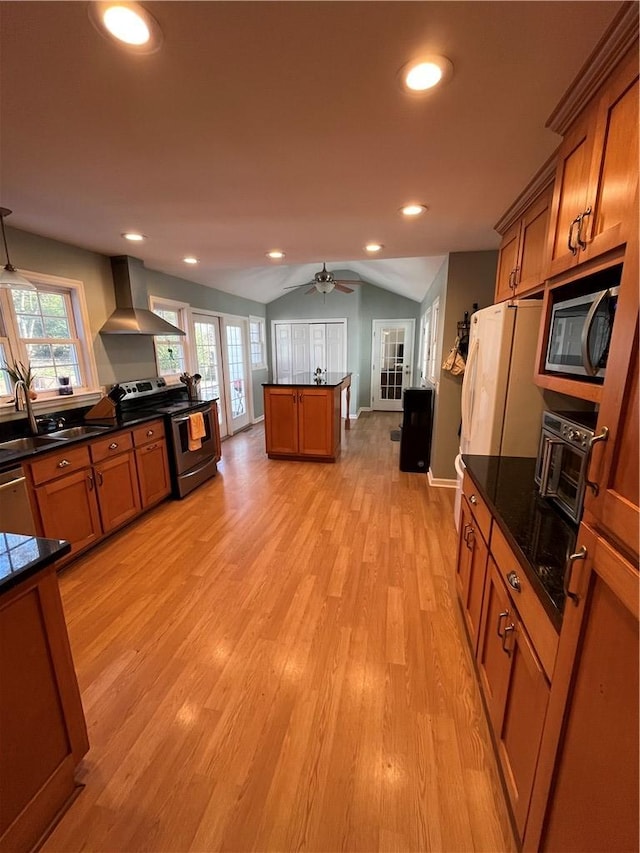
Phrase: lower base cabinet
(68,509)
(302,422)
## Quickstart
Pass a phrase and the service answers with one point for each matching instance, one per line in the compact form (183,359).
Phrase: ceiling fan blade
(312,289)
(347,282)
(342,288)
(294,286)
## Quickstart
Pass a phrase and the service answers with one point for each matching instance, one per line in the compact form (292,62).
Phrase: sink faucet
(21,386)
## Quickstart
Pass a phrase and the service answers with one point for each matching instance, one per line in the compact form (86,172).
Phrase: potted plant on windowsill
(19,373)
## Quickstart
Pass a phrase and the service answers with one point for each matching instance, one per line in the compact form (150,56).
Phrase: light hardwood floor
(277,663)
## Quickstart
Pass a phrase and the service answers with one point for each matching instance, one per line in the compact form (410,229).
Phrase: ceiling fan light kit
(9,276)
(324,282)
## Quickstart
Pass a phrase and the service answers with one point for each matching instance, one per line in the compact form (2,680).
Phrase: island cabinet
(522,254)
(43,735)
(597,173)
(302,422)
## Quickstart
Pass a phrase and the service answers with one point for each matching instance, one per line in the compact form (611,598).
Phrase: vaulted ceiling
(262,125)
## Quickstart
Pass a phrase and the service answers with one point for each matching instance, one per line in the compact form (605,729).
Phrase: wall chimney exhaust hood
(132,317)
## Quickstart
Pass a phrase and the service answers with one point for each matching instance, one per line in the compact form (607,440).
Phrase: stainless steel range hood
(131,316)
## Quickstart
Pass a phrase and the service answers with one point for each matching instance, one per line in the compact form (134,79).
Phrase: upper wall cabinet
(597,173)
(521,259)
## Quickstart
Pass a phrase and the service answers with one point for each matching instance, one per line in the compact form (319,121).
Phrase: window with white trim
(46,330)
(172,351)
(257,339)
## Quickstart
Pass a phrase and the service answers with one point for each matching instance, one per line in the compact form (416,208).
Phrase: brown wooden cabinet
(597,174)
(586,790)
(152,463)
(117,490)
(302,422)
(471,566)
(522,253)
(43,731)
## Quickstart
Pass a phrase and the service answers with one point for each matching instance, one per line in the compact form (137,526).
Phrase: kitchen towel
(196,430)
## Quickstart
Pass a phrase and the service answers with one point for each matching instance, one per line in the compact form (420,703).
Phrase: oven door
(184,458)
(560,474)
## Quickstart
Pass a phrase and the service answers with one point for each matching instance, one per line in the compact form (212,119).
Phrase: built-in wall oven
(192,462)
(563,457)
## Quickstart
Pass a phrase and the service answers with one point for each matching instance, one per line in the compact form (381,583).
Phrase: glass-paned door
(237,361)
(392,362)
(208,365)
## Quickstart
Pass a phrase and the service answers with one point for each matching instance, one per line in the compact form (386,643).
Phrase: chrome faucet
(21,385)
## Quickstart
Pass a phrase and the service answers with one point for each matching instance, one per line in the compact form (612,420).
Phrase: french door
(221,348)
(391,363)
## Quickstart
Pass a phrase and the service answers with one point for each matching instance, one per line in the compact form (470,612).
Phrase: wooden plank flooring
(277,663)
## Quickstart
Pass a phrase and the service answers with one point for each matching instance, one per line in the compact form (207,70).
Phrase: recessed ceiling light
(413,209)
(426,73)
(373,247)
(127,22)
(190,260)
(133,236)
(275,255)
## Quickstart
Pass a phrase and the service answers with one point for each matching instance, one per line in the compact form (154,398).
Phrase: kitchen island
(42,725)
(302,417)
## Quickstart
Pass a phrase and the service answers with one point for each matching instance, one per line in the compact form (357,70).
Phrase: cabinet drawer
(61,462)
(148,432)
(110,446)
(532,613)
(478,507)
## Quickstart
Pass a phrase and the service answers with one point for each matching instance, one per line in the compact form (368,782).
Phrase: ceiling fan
(324,282)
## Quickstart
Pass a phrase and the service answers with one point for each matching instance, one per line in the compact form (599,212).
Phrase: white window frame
(261,322)
(15,346)
(184,312)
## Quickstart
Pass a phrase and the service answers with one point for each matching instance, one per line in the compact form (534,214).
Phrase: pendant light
(9,276)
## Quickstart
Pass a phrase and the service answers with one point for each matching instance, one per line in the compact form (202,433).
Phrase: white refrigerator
(501,406)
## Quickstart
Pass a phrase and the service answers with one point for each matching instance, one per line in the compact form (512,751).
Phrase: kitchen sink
(76,432)
(22,445)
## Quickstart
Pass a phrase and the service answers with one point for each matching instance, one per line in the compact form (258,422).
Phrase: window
(45,329)
(171,350)
(257,336)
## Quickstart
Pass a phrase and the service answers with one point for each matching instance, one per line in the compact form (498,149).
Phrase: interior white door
(335,350)
(300,349)
(392,363)
(208,364)
(318,348)
(237,372)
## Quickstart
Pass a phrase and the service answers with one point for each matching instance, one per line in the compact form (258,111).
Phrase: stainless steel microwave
(580,334)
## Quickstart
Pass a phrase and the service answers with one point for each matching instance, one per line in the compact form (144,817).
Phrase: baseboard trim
(440,482)
(258,420)
(363,409)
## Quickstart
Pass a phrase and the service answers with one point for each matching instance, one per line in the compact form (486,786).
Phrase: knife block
(104,409)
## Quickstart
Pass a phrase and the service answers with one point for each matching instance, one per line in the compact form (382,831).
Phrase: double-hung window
(46,330)
(257,335)
(172,351)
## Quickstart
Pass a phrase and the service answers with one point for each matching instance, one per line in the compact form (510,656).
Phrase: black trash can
(415,439)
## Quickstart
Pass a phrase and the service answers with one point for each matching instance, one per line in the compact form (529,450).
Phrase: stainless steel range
(190,464)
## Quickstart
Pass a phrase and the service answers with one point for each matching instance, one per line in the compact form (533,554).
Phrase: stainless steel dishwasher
(15,509)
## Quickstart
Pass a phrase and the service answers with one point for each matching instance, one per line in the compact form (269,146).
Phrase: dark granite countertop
(541,538)
(310,380)
(23,556)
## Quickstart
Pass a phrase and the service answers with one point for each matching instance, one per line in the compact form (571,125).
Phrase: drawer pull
(579,555)
(113,445)
(473,500)
(514,581)
(149,433)
(63,463)
(501,616)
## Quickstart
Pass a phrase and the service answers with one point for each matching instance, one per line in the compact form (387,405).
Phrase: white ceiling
(281,124)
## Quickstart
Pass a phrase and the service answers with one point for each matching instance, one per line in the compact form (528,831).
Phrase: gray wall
(467,278)
(360,308)
(121,357)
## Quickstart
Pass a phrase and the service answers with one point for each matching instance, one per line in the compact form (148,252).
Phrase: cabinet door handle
(514,581)
(100,478)
(90,480)
(501,616)
(63,463)
(583,243)
(572,247)
(113,445)
(602,436)
(507,631)
(579,555)
(470,538)
(151,447)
